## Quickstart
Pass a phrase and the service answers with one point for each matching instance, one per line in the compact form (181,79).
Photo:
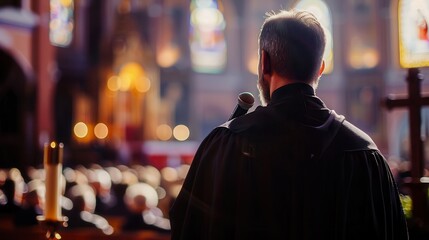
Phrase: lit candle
(53,159)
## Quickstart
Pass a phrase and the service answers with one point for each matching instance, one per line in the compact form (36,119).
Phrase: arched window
(61,23)
(413,17)
(206,37)
(321,11)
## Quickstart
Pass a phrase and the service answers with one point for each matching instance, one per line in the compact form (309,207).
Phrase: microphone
(244,103)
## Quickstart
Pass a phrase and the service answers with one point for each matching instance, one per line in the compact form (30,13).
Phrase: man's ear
(265,62)
(322,68)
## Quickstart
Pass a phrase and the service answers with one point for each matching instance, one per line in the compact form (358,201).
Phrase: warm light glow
(133,69)
(53,144)
(252,64)
(207,18)
(164,132)
(66,2)
(80,130)
(169,174)
(364,58)
(371,58)
(181,132)
(113,83)
(101,131)
(143,84)
(132,75)
(124,82)
(168,56)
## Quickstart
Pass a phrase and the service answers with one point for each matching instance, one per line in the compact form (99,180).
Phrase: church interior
(131,87)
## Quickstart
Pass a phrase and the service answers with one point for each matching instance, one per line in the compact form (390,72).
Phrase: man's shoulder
(353,138)
(259,118)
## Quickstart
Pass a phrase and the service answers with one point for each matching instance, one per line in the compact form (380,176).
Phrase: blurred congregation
(105,201)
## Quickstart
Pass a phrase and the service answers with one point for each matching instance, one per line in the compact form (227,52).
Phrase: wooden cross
(414,102)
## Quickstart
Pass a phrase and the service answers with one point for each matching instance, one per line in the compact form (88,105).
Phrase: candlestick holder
(52,226)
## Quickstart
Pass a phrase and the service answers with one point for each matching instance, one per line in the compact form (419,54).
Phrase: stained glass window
(322,13)
(413,20)
(61,22)
(206,37)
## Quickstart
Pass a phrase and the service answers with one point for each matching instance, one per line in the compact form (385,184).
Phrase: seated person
(143,214)
(31,205)
(82,213)
(11,185)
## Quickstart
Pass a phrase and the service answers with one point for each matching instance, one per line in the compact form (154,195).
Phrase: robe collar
(292,89)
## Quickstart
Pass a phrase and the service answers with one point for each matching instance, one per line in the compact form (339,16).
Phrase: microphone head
(246,100)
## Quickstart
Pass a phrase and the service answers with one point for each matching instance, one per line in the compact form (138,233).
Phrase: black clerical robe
(291,170)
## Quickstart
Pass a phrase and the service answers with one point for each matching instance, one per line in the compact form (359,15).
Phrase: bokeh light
(142,85)
(80,130)
(124,82)
(168,56)
(164,132)
(101,131)
(181,132)
(133,75)
(113,83)
(169,174)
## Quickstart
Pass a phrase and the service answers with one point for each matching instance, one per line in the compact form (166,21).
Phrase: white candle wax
(53,169)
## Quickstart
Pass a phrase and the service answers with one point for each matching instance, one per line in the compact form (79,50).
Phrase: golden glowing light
(124,82)
(168,56)
(252,64)
(131,75)
(169,174)
(101,131)
(371,58)
(164,132)
(143,85)
(80,130)
(181,132)
(363,59)
(66,2)
(53,144)
(133,69)
(113,83)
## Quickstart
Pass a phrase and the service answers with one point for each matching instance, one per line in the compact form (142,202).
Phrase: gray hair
(295,42)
